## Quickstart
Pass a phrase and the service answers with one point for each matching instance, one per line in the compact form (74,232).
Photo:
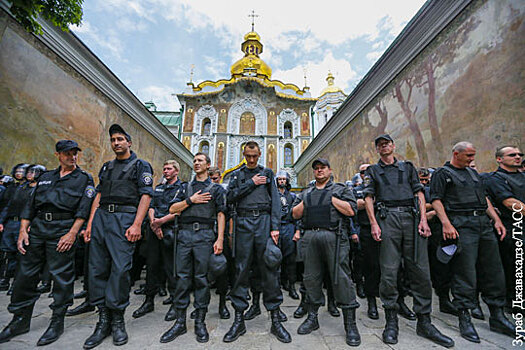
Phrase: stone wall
(43,99)
(467,84)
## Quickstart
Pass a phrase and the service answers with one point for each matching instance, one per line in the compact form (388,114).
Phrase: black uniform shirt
(499,189)
(18,201)
(362,217)
(163,195)
(218,195)
(287,199)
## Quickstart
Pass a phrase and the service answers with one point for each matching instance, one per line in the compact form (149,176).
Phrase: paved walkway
(144,333)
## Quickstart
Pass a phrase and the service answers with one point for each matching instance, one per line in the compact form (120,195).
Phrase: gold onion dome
(331,87)
(251,63)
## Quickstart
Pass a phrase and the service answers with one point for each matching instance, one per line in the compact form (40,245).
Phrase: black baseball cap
(447,249)
(383,137)
(117,129)
(322,161)
(66,145)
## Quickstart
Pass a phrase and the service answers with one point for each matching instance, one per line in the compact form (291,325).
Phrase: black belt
(117,208)
(14,218)
(402,209)
(50,216)
(321,229)
(479,212)
(252,212)
(196,226)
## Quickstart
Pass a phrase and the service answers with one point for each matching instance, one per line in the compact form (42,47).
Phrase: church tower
(330,99)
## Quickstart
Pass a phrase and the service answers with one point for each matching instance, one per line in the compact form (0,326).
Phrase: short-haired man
(324,210)
(56,211)
(459,198)
(201,203)
(398,194)
(253,191)
(114,225)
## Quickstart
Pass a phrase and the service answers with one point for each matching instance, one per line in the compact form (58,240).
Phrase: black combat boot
(477,313)
(193,314)
(171,315)
(162,291)
(391,327)
(301,309)
(178,328)
(360,289)
(140,290)
(427,330)
(80,295)
(278,329)
(102,329)
(311,323)
(332,309)
(446,306)
(44,287)
(224,313)
(255,308)
(292,292)
(237,329)
(499,323)
(118,328)
(404,310)
(466,328)
(81,309)
(168,301)
(372,308)
(55,329)
(201,333)
(147,306)
(19,325)
(352,333)
(282,315)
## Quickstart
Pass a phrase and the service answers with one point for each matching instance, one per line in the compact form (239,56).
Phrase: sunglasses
(361,172)
(513,155)
(215,178)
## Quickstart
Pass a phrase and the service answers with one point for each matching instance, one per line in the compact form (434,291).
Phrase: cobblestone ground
(145,332)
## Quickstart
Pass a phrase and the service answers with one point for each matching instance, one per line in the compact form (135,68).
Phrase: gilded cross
(253,15)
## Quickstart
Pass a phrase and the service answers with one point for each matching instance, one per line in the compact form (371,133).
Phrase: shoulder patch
(147,179)
(367,180)
(90,191)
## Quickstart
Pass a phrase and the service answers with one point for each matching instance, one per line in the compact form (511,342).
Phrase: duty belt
(401,209)
(117,208)
(320,228)
(195,226)
(478,212)
(14,218)
(252,212)
(50,216)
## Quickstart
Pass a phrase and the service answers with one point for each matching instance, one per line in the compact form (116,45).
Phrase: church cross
(253,15)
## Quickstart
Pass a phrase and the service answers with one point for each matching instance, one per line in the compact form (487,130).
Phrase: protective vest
(516,183)
(394,189)
(120,188)
(204,212)
(286,204)
(260,198)
(318,213)
(464,194)
(20,198)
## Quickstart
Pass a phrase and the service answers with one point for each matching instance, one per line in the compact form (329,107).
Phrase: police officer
(458,196)
(395,187)
(160,240)
(56,211)
(286,234)
(114,225)
(506,186)
(200,204)
(324,209)
(253,191)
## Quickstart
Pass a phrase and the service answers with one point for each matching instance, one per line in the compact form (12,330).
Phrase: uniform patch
(283,201)
(90,191)
(44,183)
(367,180)
(147,178)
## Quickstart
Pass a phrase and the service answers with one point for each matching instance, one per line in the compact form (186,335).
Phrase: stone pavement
(144,333)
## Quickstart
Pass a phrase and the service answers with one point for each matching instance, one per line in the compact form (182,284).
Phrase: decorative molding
(204,112)
(234,145)
(248,104)
(288,115)
(425,26)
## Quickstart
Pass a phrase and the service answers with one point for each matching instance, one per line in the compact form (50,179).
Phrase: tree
(61,13)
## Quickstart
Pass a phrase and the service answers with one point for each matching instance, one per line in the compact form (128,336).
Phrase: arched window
(288,155)
(288,134)
(204,147)
(247,124)
(206,127)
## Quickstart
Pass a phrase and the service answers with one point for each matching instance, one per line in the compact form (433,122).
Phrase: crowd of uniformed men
(392,231)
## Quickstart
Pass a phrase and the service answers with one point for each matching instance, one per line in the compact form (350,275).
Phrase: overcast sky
(151,44)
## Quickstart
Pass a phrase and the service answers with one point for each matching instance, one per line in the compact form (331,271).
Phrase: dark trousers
(251,238)
(8,245)
(356,261)
(477,238)
(371,269)
(193,253)
(288,248)
(157,264)
(319,257)
(226,280)
(397,246)
(42,249)
(507,249)
(440,274)
(110,262)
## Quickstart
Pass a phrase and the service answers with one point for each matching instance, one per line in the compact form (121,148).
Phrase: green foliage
(59,12)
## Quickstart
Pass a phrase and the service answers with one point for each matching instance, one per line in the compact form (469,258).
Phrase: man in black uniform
(200,204)
(122,200)
(58,207)
(458,196)
(399,197)
(507,189)
(324,209)
(253,191)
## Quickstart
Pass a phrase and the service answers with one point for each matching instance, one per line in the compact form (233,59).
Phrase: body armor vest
(318,209)
(395,189)
(286,204)
(463,195)
(204,212)
(260,198)
(20,198)
(120,188)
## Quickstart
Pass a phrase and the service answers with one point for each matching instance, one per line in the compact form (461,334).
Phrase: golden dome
(331,88)
(251,64)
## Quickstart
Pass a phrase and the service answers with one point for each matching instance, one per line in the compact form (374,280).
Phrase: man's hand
(66,242)
(376,232)
(217,247)
(500,229)
(159,233)
(133,233)
(86,233)
(424,229)
(449,232)
(200,198)
(23,240)
(259,179)
(1,228)
(155,224)
(296,236)
(275,236)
